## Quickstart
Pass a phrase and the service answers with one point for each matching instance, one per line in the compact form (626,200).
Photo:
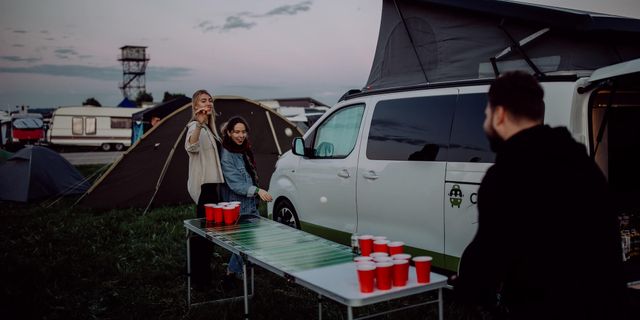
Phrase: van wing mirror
(297,146)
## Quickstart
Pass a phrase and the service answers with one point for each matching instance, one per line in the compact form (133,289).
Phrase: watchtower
(134,64)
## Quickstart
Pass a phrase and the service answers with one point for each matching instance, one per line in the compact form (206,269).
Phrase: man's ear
(499,116)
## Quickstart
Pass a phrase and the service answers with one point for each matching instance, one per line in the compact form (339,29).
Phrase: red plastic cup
(380,246)
(382,259)
(423,268)
(384,272)
(374,255)
(362,259)
(401,256)
(223,204)
(365,242)
(366,274)
(376,238)
(217,214)
(208,211)
(230,215)
(395,247)
(237,205)
(400,273)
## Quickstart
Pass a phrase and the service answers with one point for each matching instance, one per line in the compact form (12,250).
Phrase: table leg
(440,305)
(349,313)
(320,307)
(244,285)
(188,272)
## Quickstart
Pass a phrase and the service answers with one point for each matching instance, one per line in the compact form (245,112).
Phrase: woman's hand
(264,195)
(201,116)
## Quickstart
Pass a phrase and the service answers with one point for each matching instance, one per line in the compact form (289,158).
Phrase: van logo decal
(455,196)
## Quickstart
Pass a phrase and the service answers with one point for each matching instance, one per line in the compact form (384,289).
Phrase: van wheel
(119,146)
(105,147)
(286,214)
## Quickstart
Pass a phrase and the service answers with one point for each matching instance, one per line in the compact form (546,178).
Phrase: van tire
(105,147)
(285,213)
(119,147)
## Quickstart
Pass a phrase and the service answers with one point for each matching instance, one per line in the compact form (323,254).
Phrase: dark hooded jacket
(548,243)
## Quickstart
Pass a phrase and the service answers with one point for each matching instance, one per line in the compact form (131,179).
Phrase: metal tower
(134,64)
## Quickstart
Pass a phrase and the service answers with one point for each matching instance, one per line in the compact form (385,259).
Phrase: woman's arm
(235,175)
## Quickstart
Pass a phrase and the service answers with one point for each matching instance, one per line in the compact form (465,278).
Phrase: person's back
(547,242)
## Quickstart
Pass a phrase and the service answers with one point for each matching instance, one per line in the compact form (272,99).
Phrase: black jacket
(548,243)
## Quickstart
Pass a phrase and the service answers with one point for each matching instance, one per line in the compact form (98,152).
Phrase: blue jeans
(235,263)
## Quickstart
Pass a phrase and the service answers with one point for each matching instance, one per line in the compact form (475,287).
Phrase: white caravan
(108,128)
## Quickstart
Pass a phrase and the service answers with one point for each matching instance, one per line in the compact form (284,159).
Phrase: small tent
(35,173)
(423,42)
(153,172)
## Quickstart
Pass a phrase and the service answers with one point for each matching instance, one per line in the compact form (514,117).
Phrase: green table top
(287,249)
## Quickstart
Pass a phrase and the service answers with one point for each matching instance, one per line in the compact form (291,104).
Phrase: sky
(59,53)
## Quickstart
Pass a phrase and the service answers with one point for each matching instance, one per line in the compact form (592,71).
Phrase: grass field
(64,263)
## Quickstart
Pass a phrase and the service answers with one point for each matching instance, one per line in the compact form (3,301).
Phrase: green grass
(64,263)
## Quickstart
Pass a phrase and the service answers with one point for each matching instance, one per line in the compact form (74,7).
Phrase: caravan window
(415,129)
(469,143)
(77,125)
(120,123)
(337,136)
(90,125)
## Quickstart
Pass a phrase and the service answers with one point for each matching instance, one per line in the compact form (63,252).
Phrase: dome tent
(35,173)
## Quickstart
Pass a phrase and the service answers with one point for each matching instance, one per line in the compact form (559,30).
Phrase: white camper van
(108,128)
(406,160)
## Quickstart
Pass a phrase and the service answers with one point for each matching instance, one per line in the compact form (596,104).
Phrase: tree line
(141,98)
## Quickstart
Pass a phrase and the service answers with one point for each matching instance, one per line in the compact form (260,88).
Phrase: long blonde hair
(212,118)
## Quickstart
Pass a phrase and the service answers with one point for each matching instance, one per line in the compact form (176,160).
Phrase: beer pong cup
(376,238)
(362,259)
(384,272)
(366,274)
(366,244)
(217,214)
(230,215)
(382,259)
(208,212)
(423,268)
(395,247)
(378,254)
(401,256)
(400,273)
(237,205)
(223,203)
(380,246)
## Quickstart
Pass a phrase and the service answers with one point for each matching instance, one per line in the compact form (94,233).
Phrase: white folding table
(318,264)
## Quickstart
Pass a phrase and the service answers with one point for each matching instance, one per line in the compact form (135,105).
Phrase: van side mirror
(297,146)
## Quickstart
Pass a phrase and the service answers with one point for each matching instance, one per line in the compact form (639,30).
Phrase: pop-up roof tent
(35,173)
(153,172)
(434,41)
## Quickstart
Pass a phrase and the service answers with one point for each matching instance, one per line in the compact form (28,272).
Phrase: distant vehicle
(108,128)
(21,129)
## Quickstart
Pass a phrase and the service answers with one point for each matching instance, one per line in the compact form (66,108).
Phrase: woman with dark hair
(205,175)
(240,175)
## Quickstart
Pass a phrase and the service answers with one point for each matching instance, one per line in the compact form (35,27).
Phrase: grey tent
(153,172)
(423,42)
(35,173)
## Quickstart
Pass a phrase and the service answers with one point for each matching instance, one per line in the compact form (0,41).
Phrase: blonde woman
(205,175)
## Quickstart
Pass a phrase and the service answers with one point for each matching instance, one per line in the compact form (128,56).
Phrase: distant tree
(143,96)
(170,96)
(91,102)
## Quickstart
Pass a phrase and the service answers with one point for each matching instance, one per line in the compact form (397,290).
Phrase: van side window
(120,123)
(337,136)
(415,129)
(468,140)
(90,125)
(77,125)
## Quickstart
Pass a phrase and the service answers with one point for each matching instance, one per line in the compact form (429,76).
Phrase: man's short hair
(519,93)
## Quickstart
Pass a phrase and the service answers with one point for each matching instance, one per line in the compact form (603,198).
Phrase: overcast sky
(58,53)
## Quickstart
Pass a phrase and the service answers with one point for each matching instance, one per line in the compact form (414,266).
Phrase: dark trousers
(201,248)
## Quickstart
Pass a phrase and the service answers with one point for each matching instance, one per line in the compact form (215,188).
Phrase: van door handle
(344,173)
(371,175)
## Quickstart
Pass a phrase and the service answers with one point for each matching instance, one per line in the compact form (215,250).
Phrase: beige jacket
(204,162)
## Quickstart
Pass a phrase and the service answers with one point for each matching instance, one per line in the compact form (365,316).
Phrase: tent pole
(413,45)
(273,132)
(164,170)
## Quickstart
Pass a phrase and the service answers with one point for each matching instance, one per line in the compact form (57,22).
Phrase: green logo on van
(455,196)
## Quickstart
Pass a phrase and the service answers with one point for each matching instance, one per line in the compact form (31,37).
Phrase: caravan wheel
(105,147)
(119,146)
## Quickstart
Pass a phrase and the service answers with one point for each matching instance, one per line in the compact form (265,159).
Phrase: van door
(402,167)
(326,181)
(469,158)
